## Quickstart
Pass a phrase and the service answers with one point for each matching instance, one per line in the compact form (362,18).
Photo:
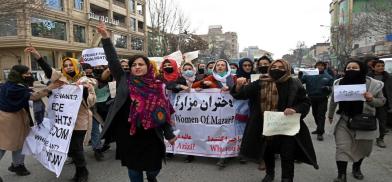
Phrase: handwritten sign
(94,56)
(207,125)
(49,142)
(349,92)
(308,71)
(276,123)
(254,77)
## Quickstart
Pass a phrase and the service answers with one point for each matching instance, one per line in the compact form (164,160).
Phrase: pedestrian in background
(380,74)
(353,145)
(280,93)
(138,130)
(319,88)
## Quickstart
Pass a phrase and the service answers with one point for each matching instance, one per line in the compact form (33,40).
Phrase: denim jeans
(17,157)
(95,135)
(137,176)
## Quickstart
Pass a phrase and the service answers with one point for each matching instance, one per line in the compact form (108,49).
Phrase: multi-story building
(64,28)
(254,52)
(320,52)
(347,15)
(220,45)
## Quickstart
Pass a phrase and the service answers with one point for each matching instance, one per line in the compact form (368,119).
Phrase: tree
(188,43)
(165,19)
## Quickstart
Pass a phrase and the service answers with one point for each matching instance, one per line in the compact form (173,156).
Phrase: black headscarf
(352,108)
(15,94)
(241,72)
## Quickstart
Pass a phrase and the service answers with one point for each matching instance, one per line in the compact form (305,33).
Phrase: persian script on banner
(49,141)
(276,123)
(94,56)
(349,92)
(206,121)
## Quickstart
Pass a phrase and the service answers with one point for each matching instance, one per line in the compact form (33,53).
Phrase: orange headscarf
(77,67)
(170,76)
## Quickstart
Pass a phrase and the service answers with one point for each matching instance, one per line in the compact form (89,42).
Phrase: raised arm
(110,52)
(41,62)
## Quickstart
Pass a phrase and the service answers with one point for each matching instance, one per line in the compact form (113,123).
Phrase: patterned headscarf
(287,67)
(77,67)
(149,107)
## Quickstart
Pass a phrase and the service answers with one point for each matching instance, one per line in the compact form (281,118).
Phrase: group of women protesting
(138,118)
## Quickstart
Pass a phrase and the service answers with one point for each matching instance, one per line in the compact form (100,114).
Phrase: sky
(272,25)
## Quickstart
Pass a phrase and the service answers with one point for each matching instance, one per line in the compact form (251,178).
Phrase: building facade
(320,52)
(346,14)
(220,44)
(64,28)
(254,52)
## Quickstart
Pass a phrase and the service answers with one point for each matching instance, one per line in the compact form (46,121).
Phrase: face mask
(188,73)
(168,69)
(201,70)
(29,80)
(72,74)
(233,71)
(98,71)
(352,74)
(209,72)
(321,72)
(276,74)
(126,70)
(90,76)
(222,74)
(263,69)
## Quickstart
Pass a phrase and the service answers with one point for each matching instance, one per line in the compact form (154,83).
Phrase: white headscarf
(223,78)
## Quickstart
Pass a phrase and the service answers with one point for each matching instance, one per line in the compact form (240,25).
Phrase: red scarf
(170,76)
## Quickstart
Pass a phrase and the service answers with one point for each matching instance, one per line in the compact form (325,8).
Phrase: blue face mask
(233,71)
(222,74)
(188,73)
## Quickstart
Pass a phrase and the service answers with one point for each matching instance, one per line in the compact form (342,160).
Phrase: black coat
(118,112)
(291,95)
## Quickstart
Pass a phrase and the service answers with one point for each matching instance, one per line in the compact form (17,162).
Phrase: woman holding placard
(139,118)
(353,142)
(72,73)
(279,93)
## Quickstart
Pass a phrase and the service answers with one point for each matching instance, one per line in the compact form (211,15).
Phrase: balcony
(120,3)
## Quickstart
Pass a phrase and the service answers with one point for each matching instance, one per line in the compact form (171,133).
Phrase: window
(48,56)
(133,24)
(120,41)
(55,4)
(137,43)
(79,4)
(132,6)
(139,8)
(140,26)
(47,28)
(79,33)
(8,25)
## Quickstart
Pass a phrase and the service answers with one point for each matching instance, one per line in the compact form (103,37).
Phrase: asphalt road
(376,168)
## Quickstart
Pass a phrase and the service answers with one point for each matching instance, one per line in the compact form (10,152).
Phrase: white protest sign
(310,71)
(189,56)
(254,77)
(349,92)
(94,56)
(176,56)
(276,123)
(206,121)
(49,142)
